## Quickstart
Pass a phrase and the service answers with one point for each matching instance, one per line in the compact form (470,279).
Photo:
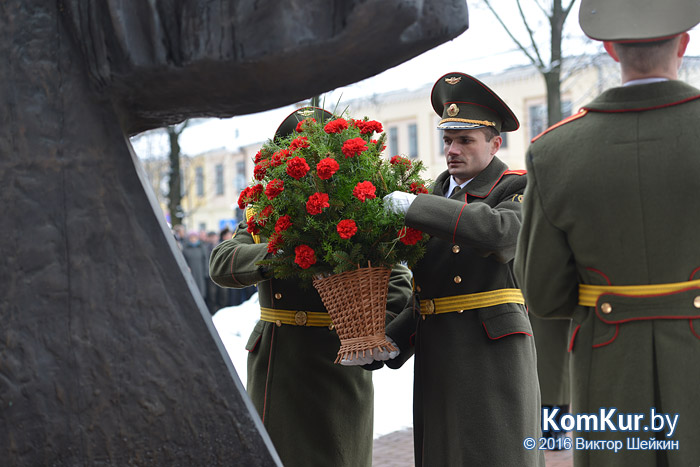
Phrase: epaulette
(576,116)
(515,172)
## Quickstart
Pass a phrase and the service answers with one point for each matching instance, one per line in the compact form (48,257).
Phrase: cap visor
(458,126)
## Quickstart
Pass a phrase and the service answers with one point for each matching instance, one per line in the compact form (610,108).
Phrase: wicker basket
(356,301)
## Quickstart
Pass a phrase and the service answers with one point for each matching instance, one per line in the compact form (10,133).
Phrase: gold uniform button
(457,279)
(278,296)
(300,318)
(696,302)
(455,249)
(418,288)
(278,323)
(606,308)
(460,311)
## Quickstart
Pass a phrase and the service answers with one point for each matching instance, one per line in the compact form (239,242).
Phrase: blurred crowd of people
(196,247)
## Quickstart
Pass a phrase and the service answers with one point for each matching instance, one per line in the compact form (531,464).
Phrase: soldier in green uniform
(609,239)
(476,395)
(317,413)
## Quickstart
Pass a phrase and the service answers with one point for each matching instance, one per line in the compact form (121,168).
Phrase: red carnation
(283,223)
(346,228)
(410,236)
(297,167)
(353,147)
(274,243)
(418,188)
(253,227)
(369,127)
(274,188)
(258,157)
(303,123)
(304,256)
(261,169)
(261,218)
(242,198)
(326,168)
(301,142)
(364,190)
(249,195)
(316,203)
(279,157)
(336,126)
(398,160)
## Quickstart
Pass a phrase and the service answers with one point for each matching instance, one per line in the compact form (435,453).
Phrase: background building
(213,180)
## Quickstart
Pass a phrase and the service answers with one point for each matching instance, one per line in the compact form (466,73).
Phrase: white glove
(398,201)
(378,355)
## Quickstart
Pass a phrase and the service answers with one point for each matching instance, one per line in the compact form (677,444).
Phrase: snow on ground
(393,389)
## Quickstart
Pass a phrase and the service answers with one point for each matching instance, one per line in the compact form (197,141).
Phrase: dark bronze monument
(107,354)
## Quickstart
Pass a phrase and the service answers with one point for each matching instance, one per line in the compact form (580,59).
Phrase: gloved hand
(398,201)
(377,355)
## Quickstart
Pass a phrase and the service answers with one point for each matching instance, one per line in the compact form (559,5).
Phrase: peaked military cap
(289,124)
(464,103)
(637,20)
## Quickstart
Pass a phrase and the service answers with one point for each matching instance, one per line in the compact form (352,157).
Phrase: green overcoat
(316,412)
(611,200)
(476,395)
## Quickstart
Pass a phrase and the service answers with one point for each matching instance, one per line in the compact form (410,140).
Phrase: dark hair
(490,132)
(644,57)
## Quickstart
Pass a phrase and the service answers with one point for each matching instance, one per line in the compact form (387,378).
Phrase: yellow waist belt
(470,301)
(588,294)
(296,318)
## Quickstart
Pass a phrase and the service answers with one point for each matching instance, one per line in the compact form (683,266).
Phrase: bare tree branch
(542,8)
(533,60)
(567,9)
(530,33)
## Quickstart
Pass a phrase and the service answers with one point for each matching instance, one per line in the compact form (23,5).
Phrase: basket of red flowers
(317,199)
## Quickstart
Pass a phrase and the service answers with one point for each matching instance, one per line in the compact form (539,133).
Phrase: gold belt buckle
(300,318)
(429,308)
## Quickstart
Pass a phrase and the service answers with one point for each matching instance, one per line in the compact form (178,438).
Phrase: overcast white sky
(483,48)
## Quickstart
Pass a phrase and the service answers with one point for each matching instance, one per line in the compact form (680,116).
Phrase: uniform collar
(643,97)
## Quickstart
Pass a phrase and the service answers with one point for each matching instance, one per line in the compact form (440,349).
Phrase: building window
(219,179)
(413,141)
(537,115)
(199,181)
(393,141)
(240,176)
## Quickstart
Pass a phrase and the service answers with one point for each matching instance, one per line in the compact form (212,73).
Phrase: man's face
(467,152)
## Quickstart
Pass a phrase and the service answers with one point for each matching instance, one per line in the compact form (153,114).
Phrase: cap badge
(453,110)
(453,80)
(305,112)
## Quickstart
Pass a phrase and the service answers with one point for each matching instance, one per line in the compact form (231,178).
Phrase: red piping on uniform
(573,338)
(617,331)
(454,234)
(515,172)
(644,109)
(601,273)
(692,329)
(232,258)
(692,274)
(597,312)
(267,375)
(504,335)
(492,187)
(568,119)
